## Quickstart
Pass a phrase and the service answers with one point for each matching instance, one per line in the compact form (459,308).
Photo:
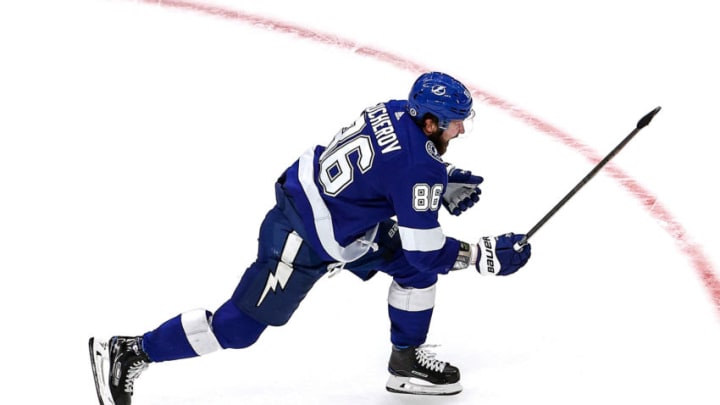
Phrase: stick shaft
(644,121)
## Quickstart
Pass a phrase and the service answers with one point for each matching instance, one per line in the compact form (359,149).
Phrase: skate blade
(100,362)
(408,385)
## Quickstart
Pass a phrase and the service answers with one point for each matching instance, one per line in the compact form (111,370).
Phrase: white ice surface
(139,144)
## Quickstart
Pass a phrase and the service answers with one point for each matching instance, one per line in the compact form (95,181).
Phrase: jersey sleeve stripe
(422,240)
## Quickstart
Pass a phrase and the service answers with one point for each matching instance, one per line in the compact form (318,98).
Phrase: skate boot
(116,365)
(414,370)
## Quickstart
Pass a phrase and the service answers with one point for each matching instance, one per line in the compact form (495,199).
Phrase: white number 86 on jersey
(426,197)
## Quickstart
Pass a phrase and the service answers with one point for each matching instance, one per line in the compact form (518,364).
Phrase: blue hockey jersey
(379,167)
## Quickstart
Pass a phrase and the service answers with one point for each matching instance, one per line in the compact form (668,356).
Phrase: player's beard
(440,145)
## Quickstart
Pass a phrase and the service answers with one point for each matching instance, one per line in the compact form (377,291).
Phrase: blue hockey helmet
(440,95)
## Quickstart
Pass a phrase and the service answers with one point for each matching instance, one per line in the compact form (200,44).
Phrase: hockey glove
(496,255)
(462,190)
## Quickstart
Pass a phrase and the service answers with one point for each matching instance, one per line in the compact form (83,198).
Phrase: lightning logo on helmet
(439,90)
(440,95)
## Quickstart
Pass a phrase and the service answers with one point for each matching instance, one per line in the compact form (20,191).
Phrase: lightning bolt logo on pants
(284,268)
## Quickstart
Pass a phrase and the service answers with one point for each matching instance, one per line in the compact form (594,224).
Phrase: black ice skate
(115,365)
(415,370)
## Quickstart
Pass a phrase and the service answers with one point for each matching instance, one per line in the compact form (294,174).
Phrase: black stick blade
(644,121)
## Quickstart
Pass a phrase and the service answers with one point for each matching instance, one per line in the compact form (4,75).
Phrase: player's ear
(430,126)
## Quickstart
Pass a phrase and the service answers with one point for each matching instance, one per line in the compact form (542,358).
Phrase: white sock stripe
(411,299)
(198,332)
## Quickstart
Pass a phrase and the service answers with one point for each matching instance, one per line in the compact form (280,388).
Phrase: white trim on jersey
(411,299)
(198,332)
(323,219)
(422,240)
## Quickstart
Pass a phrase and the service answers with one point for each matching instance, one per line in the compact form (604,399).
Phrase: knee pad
(234,329)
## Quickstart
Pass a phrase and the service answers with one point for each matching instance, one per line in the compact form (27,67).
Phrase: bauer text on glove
(497,256)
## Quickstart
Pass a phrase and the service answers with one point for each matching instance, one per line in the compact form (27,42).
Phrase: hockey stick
(644,121)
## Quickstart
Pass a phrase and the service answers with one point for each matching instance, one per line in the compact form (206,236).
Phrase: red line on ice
(694,252)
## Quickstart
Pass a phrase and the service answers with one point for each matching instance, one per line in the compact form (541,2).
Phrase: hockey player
(366,202)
